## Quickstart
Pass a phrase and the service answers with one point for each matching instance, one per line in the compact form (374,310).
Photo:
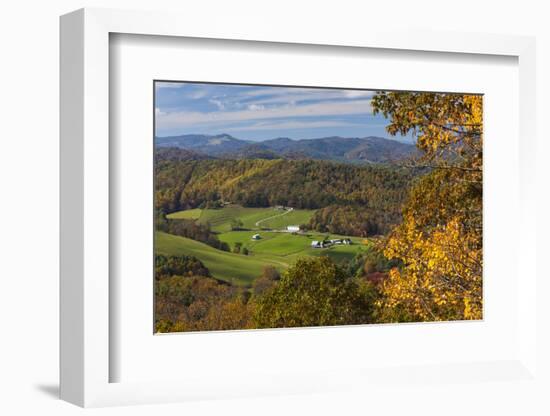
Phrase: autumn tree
(313,292)
(167,266)
(269,277)
(439,242)
(197,303)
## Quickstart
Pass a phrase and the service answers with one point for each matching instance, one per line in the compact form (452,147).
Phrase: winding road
(274,216)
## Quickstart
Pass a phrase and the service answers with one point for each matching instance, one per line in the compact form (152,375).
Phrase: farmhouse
(256,237)
(293,228)
(328,243)
(338,241)
(320,244)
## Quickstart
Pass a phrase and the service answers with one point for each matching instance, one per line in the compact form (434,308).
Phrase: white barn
(319,244)
(293,228)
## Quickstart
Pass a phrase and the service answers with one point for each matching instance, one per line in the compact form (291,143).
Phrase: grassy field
(290,246)
(278,249)
(234,268)
(189,214)
(294,217)
(220,219)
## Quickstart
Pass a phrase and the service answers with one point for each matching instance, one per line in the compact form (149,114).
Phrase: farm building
(329,243)
(256,237)
(319,244)
(340,241)
(293,228)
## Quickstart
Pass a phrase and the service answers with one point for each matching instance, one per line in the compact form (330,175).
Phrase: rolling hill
(276,249)
(344,149)
(209,145)
(219,220)
(234,268)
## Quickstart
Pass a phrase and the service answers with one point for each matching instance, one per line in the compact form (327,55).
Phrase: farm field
(285,244)
(294,217)
(189,214)
(234,268)
(220,219)
(273,248)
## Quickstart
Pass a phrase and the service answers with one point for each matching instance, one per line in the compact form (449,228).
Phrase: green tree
(236,224)
(314,292)
(237,247)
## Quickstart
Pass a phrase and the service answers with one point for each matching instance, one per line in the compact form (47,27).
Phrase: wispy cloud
(357,93)
(322,109)
(197,95)
(213,108)
(255,107)
(218,103)
(283,95)
(285,125)
(161,85)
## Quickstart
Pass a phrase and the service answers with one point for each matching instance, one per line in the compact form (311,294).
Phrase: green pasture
(278,249)
(294,217)
(220,219)
(234,268)
(188,214)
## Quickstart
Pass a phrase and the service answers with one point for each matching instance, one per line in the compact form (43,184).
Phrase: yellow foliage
(439,242)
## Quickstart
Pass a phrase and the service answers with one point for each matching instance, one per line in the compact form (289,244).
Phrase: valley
(269,244)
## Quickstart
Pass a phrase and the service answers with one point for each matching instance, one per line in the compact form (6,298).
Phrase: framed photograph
(338,225)
(280,213)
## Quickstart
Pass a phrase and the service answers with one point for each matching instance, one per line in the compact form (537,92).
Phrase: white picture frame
(85,212)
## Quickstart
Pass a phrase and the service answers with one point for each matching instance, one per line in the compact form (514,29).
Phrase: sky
(259,112)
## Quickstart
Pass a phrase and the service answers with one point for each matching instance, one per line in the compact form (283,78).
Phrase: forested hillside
(372,195)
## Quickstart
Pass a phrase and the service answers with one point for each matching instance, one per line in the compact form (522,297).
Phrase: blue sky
(259,113)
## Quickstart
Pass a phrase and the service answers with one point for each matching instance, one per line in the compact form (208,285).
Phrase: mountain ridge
(372,149)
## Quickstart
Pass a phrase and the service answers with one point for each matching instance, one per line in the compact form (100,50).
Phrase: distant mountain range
(346,149)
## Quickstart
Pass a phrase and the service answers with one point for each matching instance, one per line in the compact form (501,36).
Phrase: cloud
(328,108)
(262,91)
(290,125)
(295,95)
(217,103)
(225,107)
(357,93)
(256,107)
(198,94)
(161,84)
